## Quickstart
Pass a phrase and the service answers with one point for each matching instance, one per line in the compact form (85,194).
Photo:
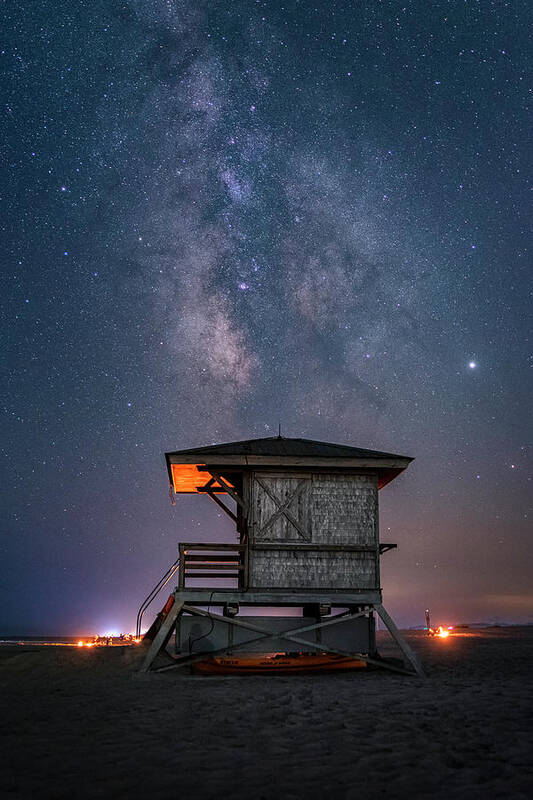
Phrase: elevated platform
(219,634)
(277,597)
(306,537)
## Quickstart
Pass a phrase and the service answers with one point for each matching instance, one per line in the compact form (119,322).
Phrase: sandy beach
(86,724)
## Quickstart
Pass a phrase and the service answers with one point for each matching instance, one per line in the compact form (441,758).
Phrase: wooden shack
(307,536)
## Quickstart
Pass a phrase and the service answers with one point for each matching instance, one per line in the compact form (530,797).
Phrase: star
(472,364)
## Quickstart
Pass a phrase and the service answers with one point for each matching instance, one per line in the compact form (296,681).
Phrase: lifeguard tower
(307,538)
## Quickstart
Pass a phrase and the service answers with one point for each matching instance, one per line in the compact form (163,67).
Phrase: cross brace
(291,636)
(283,508)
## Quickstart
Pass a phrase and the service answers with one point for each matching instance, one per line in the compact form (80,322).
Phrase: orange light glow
(106,640)
(187,477)
(441,631)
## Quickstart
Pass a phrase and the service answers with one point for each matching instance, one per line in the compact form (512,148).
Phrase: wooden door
(280,507)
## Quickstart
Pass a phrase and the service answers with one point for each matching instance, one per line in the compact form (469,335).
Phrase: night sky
(218,216)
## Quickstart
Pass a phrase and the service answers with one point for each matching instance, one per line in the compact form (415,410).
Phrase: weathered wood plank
(279,597)
(309,462)
(409,654)
(213,558)
(190,568)
(280,507)
(214,546)
(213,574)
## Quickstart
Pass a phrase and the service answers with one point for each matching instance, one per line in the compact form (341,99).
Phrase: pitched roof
(282,446)
(279,452)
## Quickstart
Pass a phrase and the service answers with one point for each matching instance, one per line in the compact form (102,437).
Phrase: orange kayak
(276,662)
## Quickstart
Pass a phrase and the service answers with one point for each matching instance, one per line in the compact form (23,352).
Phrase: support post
(409,654)
(288,635)
(163,635)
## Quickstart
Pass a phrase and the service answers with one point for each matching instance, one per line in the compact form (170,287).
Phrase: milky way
(222,217)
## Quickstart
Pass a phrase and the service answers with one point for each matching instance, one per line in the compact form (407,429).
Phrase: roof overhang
(185,469)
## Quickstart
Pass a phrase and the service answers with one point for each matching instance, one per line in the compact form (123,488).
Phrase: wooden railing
(201,560)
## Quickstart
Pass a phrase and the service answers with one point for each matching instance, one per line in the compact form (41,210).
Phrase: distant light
(472,364)
(243,286)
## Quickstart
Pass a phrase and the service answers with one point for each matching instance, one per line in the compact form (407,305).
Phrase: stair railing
(153,594)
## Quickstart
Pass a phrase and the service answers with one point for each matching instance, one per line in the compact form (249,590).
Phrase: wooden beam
(213,546)
(206,486)
(326,649)
(213,574)
(338,618)
(330,462)
(213,558)
(384,547)
(265,634)
(222,505)
(211,567)
(231,491)
(340,598)
(163,635)
(400,641)
(335,620)
(188,661)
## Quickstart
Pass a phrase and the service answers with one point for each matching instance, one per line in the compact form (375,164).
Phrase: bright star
(472,364)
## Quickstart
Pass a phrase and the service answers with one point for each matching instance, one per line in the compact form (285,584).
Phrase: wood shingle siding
(304,514)
(344,509)
(312,569)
